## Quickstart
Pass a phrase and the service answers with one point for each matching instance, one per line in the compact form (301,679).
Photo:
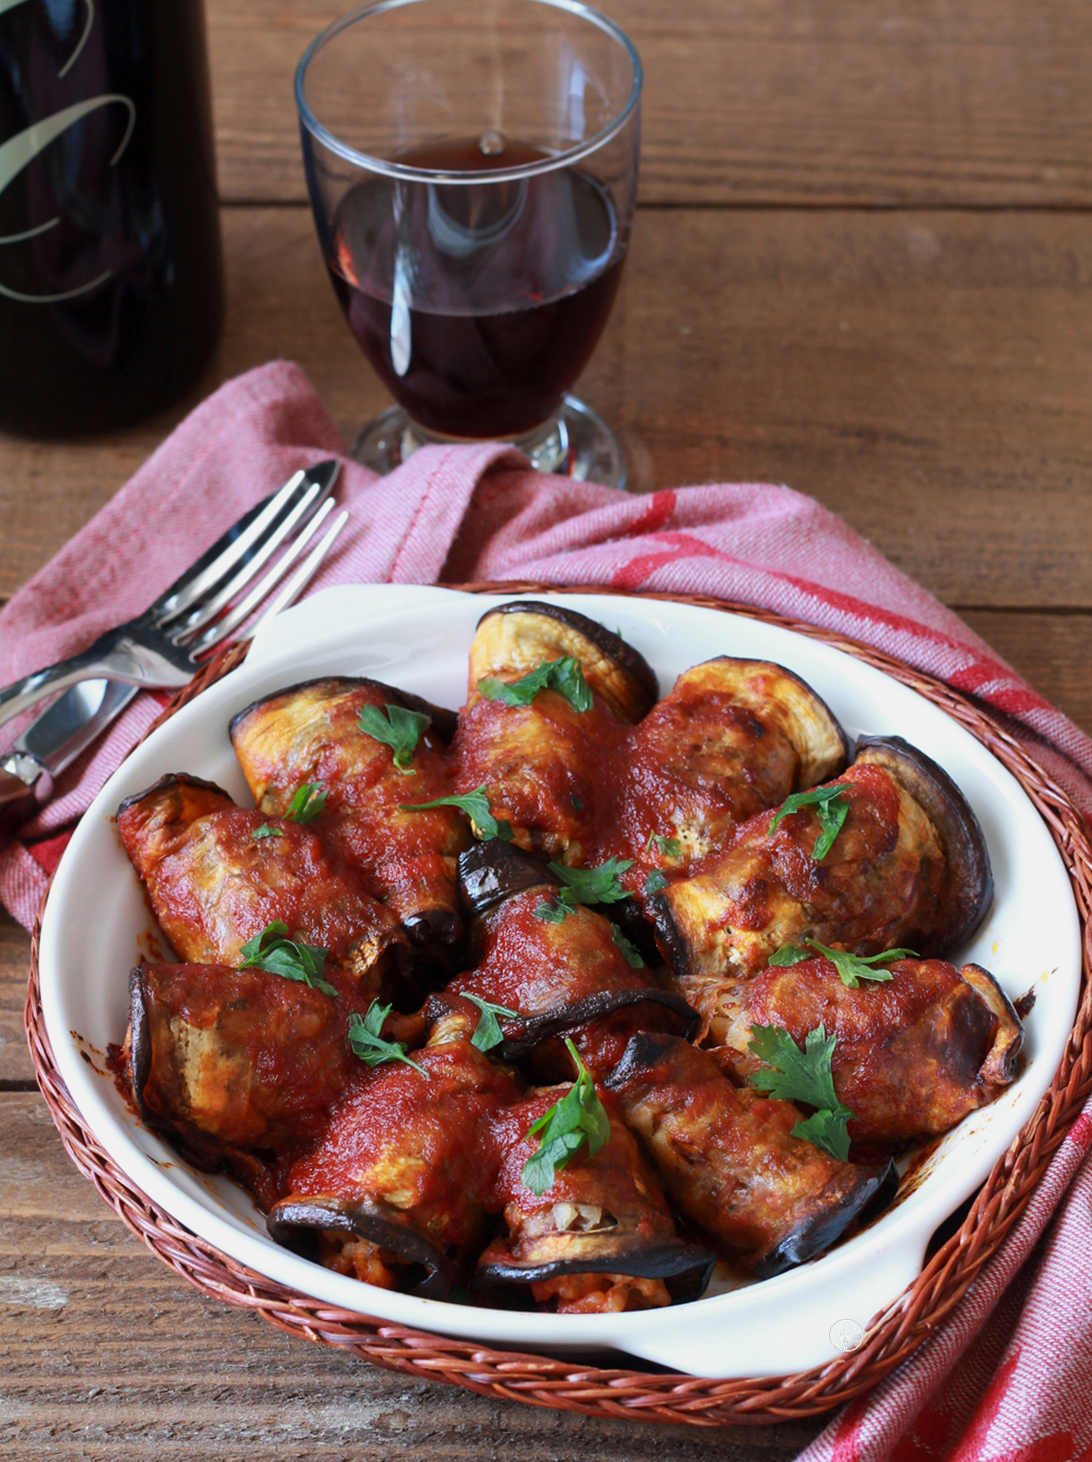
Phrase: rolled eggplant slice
(224,1059)
(600,1026)
(531,964)
(216,878)
(515,638)
(493,871)
(600,1238)
(881,885)
(727,1158)
(546,766)
(403,1167)
(914,1054)
(312,733)
(967,888)
(565,976)
(525,944)
(365,1238)
(732,738)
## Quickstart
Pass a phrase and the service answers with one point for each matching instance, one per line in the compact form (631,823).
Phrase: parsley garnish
(629,949)
(852,968)
(655,881)
(669,847)
(476,806)
(564,675)
(552,913)
(265,831)
(830,806)
(584,886)
(369,1045)
(488,1033)
(272,950)
(577,1118)
(804,1076)
(399,729)
(307,802)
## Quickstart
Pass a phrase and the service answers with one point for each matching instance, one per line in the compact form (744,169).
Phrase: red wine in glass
(478,303)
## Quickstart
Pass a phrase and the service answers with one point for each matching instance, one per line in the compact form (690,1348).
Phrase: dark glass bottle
(111,291)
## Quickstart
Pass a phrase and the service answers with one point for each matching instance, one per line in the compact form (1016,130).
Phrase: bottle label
(25,146)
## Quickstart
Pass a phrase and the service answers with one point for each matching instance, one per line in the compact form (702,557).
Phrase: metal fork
(81,713)
(163,646)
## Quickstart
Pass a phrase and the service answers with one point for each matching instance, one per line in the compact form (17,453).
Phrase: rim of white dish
(897,1238)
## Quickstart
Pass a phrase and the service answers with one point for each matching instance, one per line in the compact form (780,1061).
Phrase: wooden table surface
(861,266)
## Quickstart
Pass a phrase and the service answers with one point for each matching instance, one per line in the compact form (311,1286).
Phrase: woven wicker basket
(548,1381)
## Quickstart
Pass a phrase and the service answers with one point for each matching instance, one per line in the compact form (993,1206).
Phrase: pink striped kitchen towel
(1022,1388)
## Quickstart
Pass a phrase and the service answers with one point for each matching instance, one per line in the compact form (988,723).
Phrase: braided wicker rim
(547,1381)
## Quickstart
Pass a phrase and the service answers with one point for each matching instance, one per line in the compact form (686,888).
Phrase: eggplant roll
(732,738)
(915,1054)
(967,887)
(514,638)
(885,882)
(600,1239)
(395,1191)
(214,883)
(546,765)
(567,978)
(311,733)
(224,1059)
(727,1158)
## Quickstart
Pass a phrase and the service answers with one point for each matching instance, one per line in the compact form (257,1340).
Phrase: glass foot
(575,443)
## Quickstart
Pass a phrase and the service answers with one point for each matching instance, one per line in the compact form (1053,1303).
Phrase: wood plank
(916,102)
(106,1353)
(15,1064)
(923,374)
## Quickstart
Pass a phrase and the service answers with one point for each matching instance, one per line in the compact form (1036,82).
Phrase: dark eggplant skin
(227,1061)
(883,883)
(968,889)
(194,796)
(599,1027)
(1005,1060)
(310,733)
(728,1159)
(494,870)
(567,976)
(405,1159)
(213,884)
(812,1238)
(565,1020)
(297,1222)
(443,721)
(914,1055)
(639,686)
(685,1270)
(614,1218)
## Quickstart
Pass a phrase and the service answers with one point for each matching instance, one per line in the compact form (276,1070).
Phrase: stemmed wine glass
(472,170)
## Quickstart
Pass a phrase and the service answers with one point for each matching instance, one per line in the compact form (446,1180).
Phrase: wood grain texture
(915,102)
(923,374)
(15,1063)
(105,1353)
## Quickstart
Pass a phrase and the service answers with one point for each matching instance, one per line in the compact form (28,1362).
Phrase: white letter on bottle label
(25,146)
